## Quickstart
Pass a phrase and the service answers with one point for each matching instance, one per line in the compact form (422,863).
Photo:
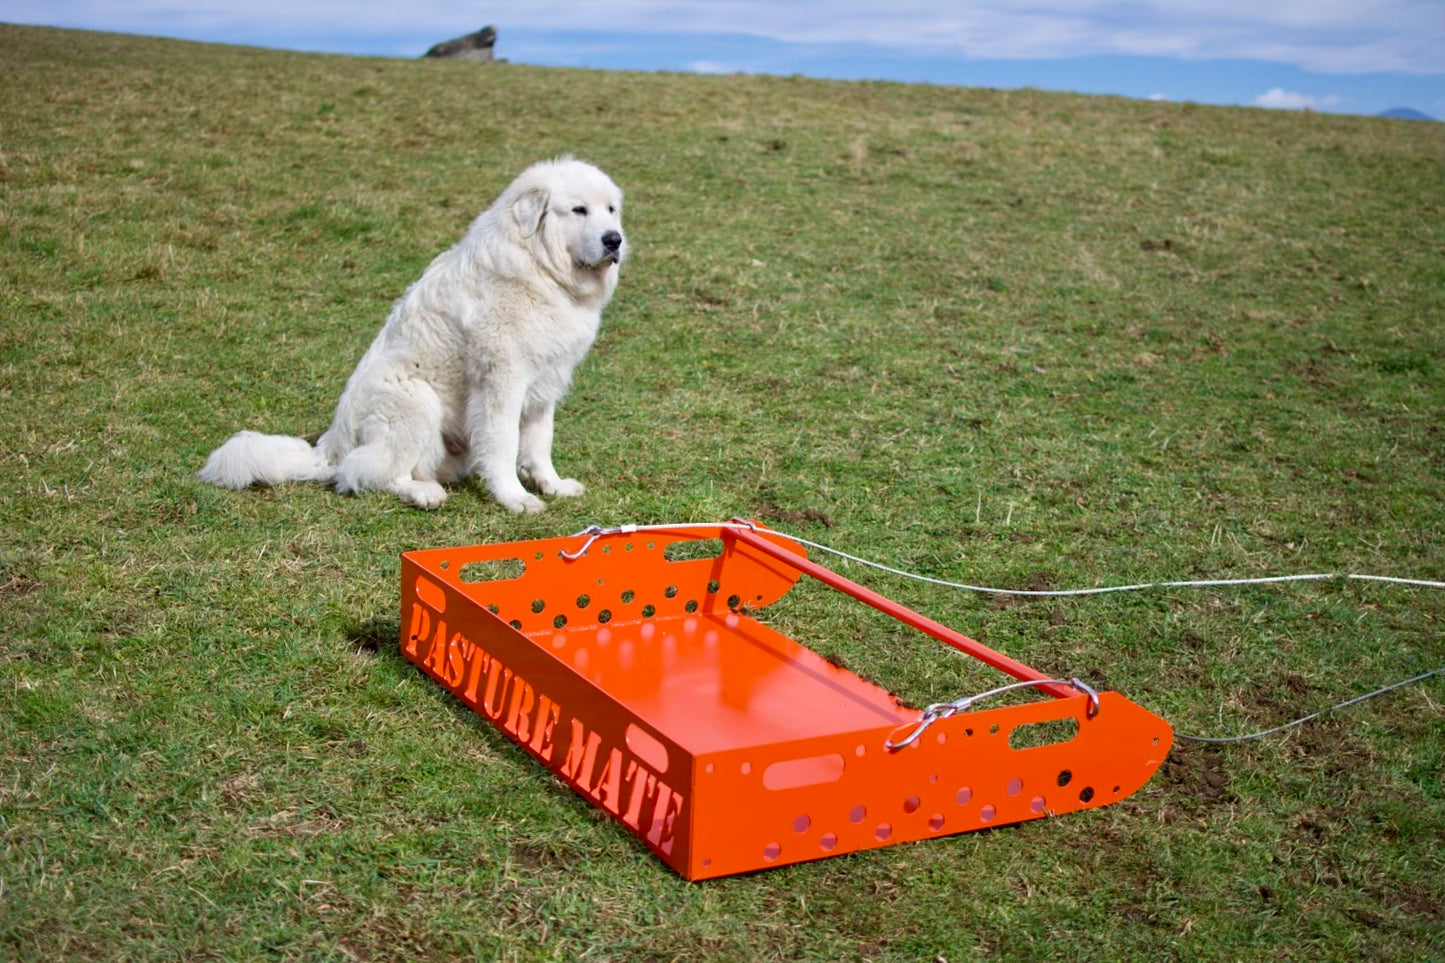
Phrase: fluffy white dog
(465,376)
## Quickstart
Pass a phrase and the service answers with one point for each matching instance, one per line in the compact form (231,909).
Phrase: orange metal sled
(629,665)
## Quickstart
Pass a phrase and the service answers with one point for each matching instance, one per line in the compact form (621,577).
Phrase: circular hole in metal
(1015,786)
(882,832)
(493,608)
(827,841)
(856,814)
(1087,794)
(538,605)
(1065,777)
(911,804)
(935,822)
(648,611)
(746,768)
(670,591)
(583,601)
(712,587)
(771,851)
(802,823)
(986,814)
(604,616)
(627,596)
(1036,804)
(516,625)
(691,606)
(734,601)
(963,796)
(559,622)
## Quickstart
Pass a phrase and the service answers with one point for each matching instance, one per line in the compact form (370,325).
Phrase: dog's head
(573,211)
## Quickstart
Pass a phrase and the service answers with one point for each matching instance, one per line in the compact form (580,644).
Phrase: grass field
(1004,337)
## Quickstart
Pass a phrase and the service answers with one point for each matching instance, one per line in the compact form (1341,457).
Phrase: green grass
(1008,337)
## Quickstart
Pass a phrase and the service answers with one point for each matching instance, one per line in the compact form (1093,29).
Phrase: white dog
(466,373)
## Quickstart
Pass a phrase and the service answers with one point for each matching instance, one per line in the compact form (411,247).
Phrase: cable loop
(593,532)
(943,710)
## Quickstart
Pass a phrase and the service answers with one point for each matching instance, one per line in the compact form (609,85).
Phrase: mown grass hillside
(1005,337)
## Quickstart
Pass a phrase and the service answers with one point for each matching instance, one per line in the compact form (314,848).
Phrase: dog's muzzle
(611,247)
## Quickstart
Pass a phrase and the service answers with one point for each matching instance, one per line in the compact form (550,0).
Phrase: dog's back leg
(400,447)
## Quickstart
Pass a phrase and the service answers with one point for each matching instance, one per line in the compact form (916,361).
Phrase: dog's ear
(529,209)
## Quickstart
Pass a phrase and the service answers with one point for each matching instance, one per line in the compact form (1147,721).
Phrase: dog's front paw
(565,488)
(523,504)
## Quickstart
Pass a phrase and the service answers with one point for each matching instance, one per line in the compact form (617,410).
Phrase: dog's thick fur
(466,374)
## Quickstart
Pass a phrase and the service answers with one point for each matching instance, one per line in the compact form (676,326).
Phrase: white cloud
(711,67)
(1330,36)
(1281,99)
(1348,36)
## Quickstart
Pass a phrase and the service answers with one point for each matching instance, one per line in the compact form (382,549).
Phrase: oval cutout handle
(808,771)
(647,748)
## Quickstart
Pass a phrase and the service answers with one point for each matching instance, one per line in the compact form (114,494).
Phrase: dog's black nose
(611,241)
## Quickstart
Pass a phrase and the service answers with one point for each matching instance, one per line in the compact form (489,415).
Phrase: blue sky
(1330,55)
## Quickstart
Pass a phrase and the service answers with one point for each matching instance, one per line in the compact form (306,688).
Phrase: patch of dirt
(1035,582)
(17,584)
(1193,641)
(1197,771)
(1416,900)
(787,516)
(354,748)
(534,855)
(1281,699)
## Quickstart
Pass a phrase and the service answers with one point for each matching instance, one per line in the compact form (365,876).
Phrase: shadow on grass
(379,634)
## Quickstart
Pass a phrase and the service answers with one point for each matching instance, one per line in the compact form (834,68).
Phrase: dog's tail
(251,458)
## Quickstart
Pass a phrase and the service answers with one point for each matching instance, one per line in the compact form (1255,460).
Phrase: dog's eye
(611,209)
(580,209)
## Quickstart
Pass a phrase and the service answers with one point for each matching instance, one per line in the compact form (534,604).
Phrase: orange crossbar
(630,666)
